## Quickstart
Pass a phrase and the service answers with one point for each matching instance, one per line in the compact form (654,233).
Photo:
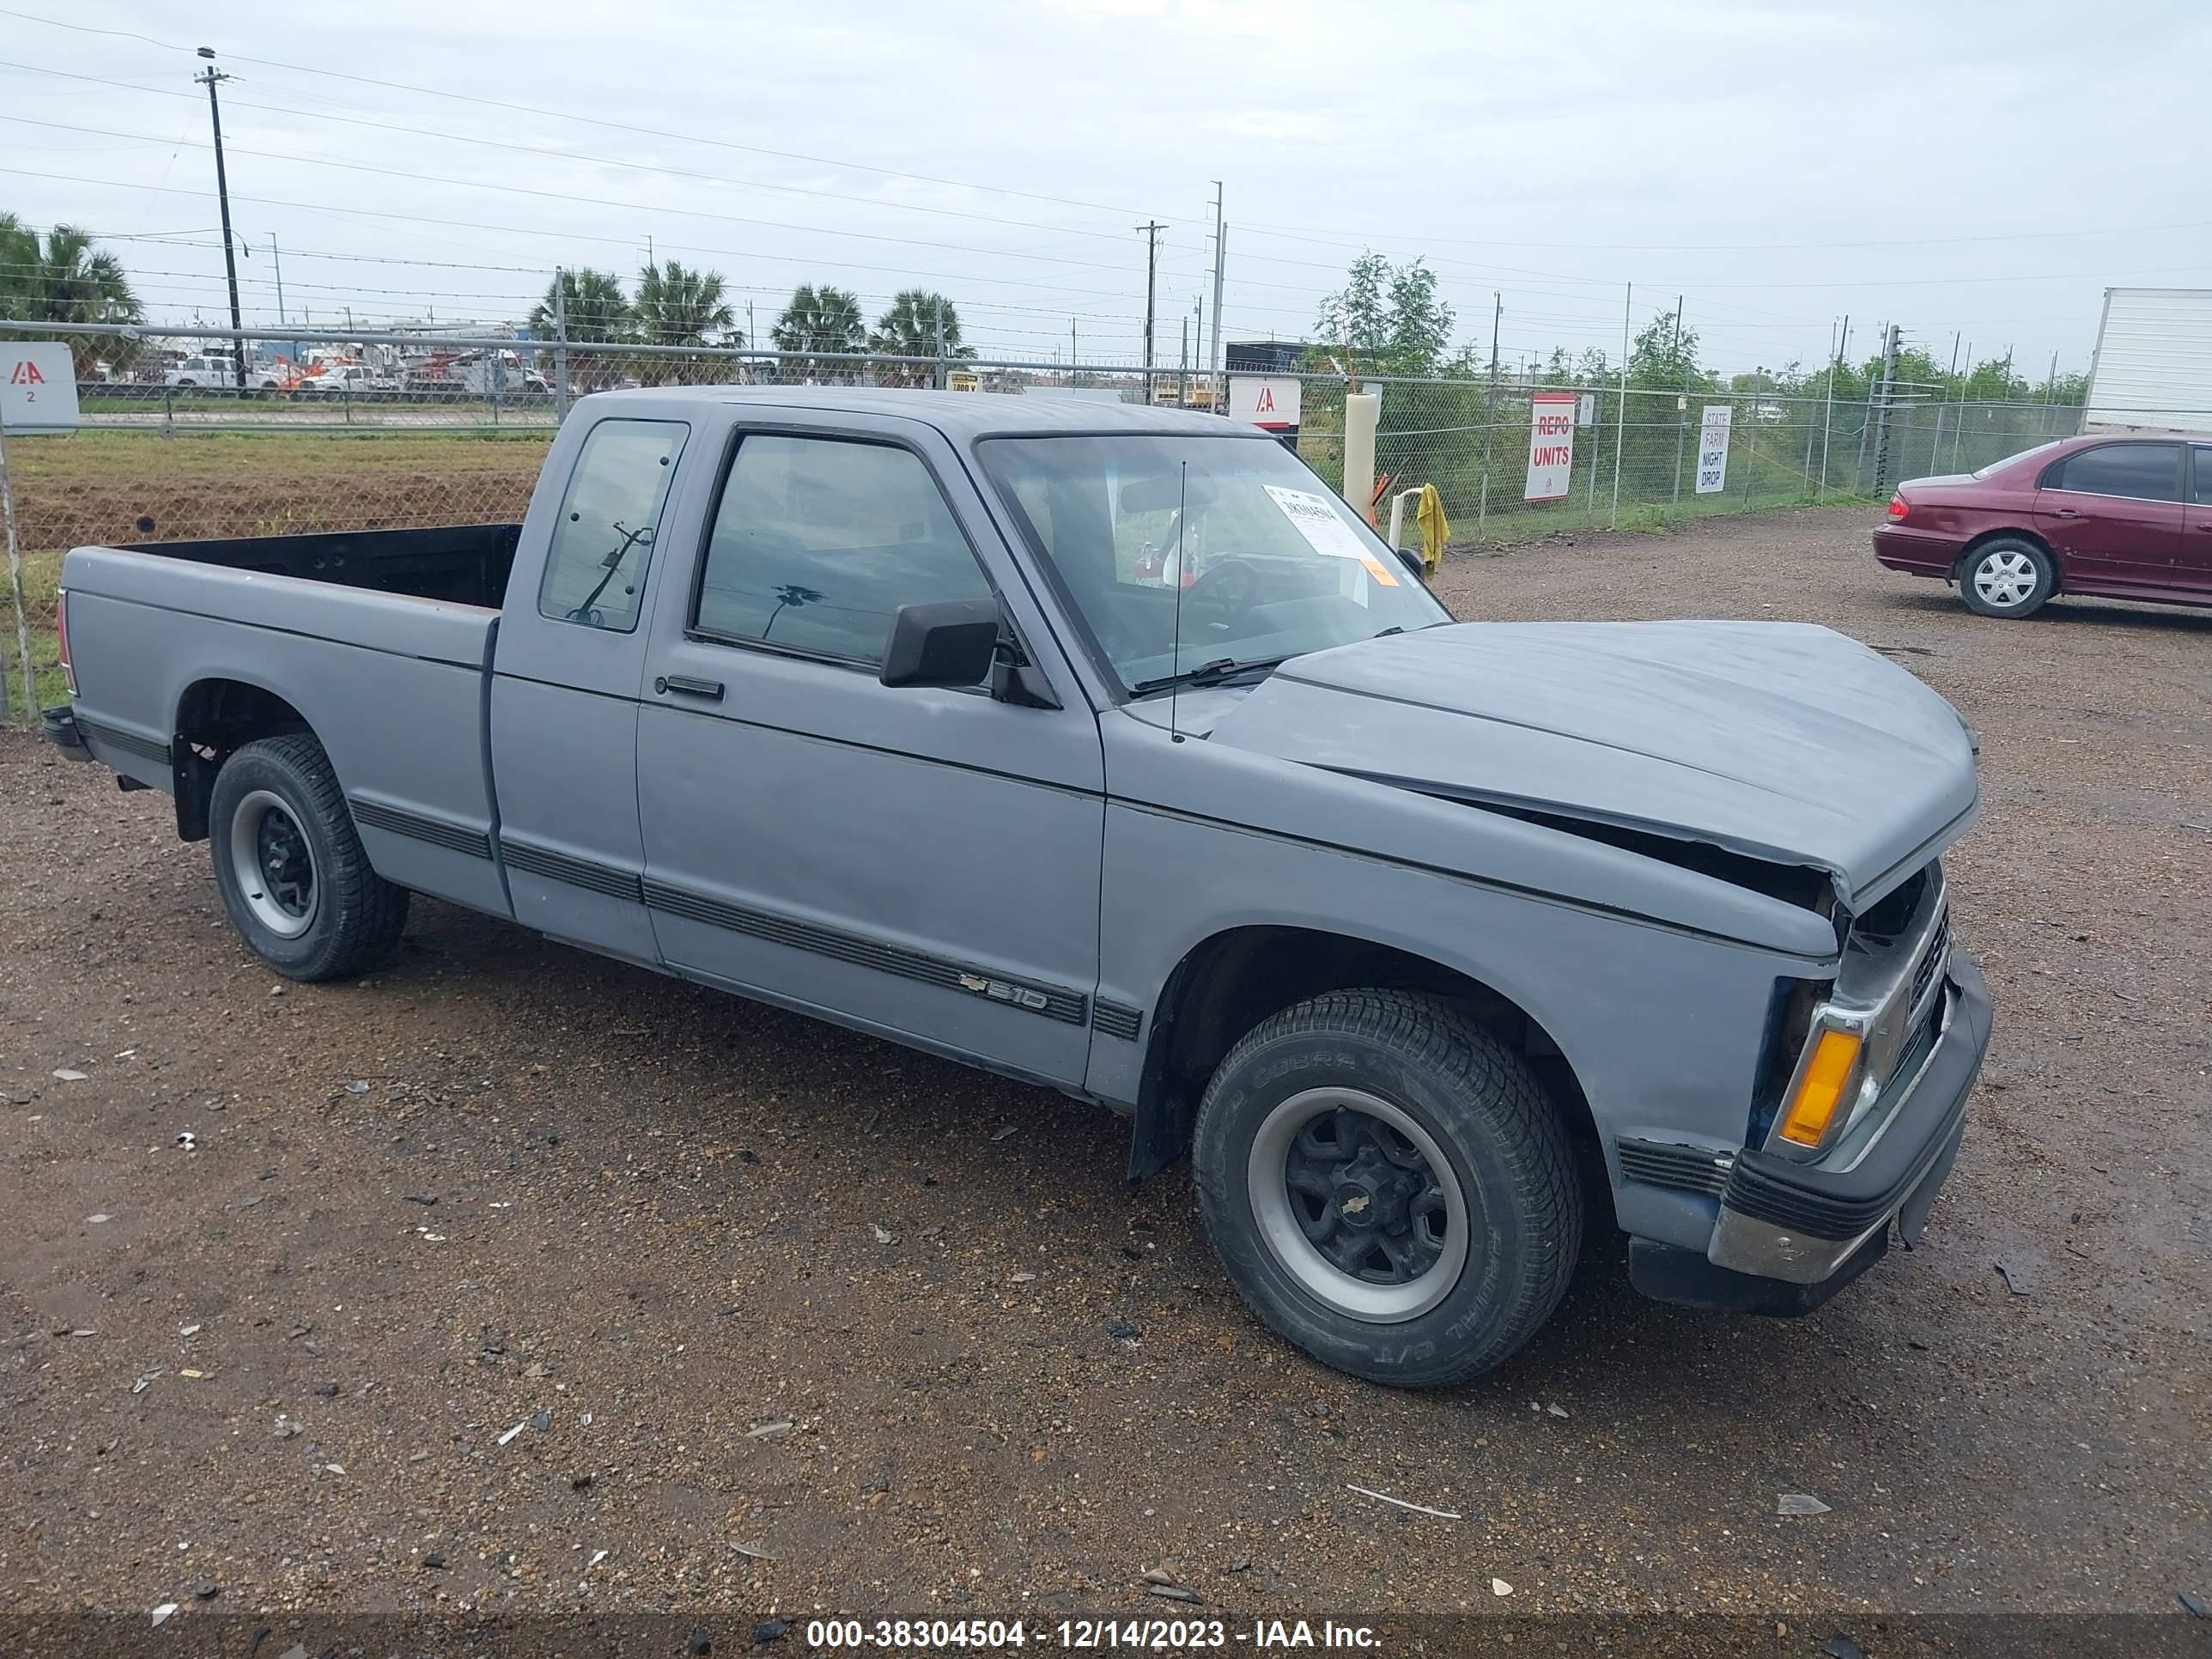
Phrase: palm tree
(823,319)
(592,307)
(919,324)
(65,280)
(679,306)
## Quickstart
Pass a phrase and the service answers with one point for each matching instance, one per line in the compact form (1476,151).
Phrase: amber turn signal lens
(1821,1089)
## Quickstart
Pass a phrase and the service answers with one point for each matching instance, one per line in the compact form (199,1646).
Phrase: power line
(593,120)
(570,196)
(578,155)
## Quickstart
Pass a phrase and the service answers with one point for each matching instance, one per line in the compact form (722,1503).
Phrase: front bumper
(1791,1234)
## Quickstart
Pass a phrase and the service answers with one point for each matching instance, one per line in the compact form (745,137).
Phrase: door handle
(2066,512)
(710,690)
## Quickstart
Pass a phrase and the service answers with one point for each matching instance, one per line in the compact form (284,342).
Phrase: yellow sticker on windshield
(1325,532)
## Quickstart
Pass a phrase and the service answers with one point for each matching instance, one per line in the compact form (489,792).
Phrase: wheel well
(1230,982)
(1959,564)
(215,719)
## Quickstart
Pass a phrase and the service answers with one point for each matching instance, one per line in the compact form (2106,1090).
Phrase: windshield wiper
(1208,673)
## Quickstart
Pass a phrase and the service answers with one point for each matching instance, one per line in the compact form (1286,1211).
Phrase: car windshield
(1267,563)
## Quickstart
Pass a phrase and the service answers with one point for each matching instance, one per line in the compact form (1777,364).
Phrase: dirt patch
(103,487)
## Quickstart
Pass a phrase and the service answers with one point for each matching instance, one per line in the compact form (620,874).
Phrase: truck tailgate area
(393,685)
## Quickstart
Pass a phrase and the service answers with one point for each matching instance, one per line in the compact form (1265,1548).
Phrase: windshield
(1268,563)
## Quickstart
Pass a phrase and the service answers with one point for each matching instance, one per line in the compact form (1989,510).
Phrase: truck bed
(459,564)
(378,641)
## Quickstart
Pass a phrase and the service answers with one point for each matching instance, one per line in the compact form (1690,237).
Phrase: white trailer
(2153,368)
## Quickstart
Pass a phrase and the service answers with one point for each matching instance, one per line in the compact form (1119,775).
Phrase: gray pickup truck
(1104,747)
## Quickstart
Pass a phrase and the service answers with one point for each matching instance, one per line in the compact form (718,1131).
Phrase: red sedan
(2121,518)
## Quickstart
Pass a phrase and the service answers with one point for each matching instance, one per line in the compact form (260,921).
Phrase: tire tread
(371,912)
(1476,1066)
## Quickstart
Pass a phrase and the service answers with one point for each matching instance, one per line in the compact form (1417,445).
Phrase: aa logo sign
(1267,400)
(38,388)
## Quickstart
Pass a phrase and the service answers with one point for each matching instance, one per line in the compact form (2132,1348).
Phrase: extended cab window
(595,569)
(818,541)
(2143,473)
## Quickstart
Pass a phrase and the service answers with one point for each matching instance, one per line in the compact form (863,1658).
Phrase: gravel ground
(516,1280)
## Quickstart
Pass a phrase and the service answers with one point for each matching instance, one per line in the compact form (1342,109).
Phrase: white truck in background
(2152,371)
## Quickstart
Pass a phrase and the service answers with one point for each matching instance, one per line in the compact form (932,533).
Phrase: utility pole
(209,80)
(1828,412)
(1490,411)
(1072,359)
(942,379)
(1888,380)
(1152,227)
(1220,255)
(276,261)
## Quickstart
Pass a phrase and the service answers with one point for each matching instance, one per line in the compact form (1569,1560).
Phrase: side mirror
(1411,558)
(950,643)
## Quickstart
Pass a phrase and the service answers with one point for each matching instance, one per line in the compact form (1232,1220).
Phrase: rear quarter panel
(392,686)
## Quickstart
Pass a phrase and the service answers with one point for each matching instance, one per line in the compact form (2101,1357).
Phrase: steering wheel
(1230,588)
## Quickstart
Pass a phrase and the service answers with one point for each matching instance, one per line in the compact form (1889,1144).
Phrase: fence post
(16,590)
(1597,437)
(1620,437)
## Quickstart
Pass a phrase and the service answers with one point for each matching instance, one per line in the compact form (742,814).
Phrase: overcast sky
(1951,165)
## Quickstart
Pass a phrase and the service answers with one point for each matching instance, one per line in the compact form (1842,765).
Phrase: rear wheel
(290,867)
(1389,1186)
(2009,576)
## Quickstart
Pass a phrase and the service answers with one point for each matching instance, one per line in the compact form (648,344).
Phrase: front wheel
(2007,577)
(290,867)
(1389,1186)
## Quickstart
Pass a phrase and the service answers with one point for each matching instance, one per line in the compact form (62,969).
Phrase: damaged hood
(1779,741)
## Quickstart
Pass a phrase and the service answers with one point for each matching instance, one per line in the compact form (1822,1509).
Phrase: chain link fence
(388,430)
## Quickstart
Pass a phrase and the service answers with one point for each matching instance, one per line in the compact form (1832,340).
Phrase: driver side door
(920,862)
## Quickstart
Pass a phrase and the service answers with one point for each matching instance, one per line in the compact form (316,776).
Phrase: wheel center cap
(1359,1203)
(1372,1193)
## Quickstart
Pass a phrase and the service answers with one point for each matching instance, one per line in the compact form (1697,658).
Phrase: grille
(1931,964)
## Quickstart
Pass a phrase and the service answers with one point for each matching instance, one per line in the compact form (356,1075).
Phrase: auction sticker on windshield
(1325,532)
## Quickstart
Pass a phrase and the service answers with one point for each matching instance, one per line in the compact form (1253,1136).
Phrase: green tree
(66,279)
(1665,358)
(592,307)
(1389,316)
(911,328)
(677,305)
(1420,324)
(821,319)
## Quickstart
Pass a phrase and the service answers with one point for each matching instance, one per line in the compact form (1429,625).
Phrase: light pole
(277,263)
(209,80)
